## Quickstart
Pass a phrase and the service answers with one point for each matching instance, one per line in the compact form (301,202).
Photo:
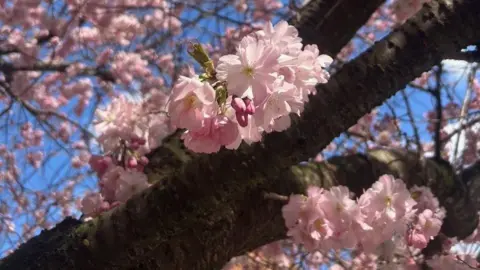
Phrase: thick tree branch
(471,177)
(377,74)
(339,18)
(199,215)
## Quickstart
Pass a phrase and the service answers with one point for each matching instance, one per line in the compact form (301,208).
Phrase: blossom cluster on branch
(326,219)
(63,58)
(388,221)
(248,93)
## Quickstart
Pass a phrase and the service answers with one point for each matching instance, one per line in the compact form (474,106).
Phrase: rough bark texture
(315,19)
(471,178)
(211,208)
(316,26)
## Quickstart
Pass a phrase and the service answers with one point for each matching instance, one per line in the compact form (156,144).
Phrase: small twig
(439,111)
(275,196)
(464,110)
(465,263)
(412,122)
(460,129)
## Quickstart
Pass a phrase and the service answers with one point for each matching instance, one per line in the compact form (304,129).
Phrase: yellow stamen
(190,101)
(318,224)
(416,194)
(248,71)
(428,224)
(388,201)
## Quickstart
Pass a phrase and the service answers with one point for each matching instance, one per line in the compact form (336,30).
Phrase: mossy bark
(205,209)
(216,223)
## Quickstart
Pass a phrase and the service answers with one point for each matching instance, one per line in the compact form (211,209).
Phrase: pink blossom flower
(93,204)
(190,101)
(250,134)
(109,183)
(35,158)
(217,131)
(341,210)
(282,35)
(307,69)
(427,227)
(130,183)
(390,197)
(424,198)
(306,220)
(280,103)
(292,211)
(249,73)
(386,207)
(123,29)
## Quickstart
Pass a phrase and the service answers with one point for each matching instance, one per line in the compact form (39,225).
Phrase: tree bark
(205,209)
(340,19)
(260,211)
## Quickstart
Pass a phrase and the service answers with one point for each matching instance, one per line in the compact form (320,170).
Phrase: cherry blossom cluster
(250,92)
(331,219)
(65,57)
(262,9)
(129,130)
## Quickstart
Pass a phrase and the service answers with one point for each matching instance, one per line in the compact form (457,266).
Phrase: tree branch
(41,66)
(339,18)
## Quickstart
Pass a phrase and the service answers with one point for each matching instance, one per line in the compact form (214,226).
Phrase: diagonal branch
(339,18)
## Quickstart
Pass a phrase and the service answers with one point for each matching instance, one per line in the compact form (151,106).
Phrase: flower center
(190,101)
(318,224)
(248,71)
(339,207)
(428,224)
(416,194)
(388,201)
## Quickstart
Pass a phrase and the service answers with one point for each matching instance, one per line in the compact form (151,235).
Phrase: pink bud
(140,141)
(250,108)
(143,161)
(242,119)
(132,162)
(134,145)
(238,105)
(99,164)
(105,206)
